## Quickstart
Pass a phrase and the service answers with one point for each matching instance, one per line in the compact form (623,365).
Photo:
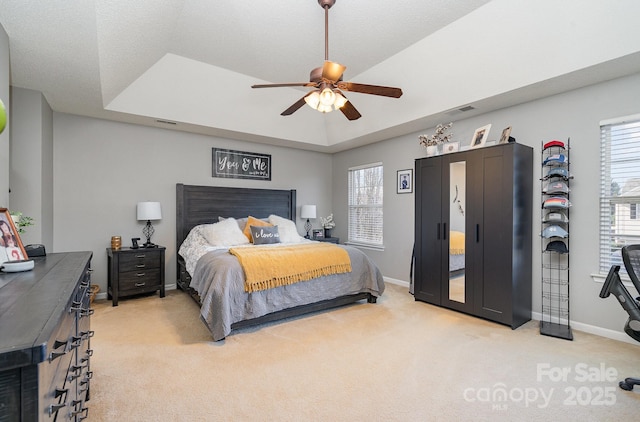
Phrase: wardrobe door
(494,228)
(428,230)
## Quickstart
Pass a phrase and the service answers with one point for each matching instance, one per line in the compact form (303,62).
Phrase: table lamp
(149,211)
(308,211)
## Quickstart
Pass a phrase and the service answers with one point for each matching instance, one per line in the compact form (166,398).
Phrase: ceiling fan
(328,85)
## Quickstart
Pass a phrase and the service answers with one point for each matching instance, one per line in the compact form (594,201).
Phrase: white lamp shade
(308,211)
(149,211)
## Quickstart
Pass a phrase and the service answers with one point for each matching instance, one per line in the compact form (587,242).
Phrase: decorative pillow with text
(263,235)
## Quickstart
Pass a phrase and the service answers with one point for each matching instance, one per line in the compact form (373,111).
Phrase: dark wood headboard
(204,204)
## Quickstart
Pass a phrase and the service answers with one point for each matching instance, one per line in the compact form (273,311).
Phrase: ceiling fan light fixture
(313,99)
(327,97)
(323,108)
(340,101)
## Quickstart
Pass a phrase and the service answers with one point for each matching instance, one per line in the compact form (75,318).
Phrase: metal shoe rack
(554,188)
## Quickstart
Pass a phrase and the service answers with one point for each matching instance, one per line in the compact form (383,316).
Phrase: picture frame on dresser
(11,247)
(506,134)
(480,136)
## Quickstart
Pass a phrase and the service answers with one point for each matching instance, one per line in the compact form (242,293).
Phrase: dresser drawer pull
(140,256)
(86,312)
(75,306)
(55,355)
(53,408)
(76,341)
(140,284)
(56,345)
(87,334)
(82,413)
(140,266)
(76,368)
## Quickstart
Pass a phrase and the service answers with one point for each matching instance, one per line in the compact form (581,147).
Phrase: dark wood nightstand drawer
(139,261)
(140,280)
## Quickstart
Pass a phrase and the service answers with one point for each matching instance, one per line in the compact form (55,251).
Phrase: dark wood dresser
(45,337)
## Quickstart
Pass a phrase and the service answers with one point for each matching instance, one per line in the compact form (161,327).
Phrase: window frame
(377,230)
(613,205)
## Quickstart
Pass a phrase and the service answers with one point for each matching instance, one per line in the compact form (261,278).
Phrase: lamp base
(149,245)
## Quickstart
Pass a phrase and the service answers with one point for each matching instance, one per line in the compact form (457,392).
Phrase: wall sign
(241,165)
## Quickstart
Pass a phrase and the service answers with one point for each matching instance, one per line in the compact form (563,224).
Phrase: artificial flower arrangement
(438,137)
(328,223)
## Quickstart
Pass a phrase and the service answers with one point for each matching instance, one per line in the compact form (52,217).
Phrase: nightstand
(327,239)
(135,271)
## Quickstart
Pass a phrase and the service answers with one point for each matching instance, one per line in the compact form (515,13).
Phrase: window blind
(619,189)
(365,205)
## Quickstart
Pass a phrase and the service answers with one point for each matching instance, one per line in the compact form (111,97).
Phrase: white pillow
(287,229)
(224,233)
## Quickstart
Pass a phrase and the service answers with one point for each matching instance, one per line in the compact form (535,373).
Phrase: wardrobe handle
(477,233)
(444,231)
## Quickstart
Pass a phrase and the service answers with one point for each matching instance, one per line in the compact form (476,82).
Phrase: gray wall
(102,169)
(32,164)
(576,115)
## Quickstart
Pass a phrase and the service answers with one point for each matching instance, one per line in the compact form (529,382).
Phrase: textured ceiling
(132,60)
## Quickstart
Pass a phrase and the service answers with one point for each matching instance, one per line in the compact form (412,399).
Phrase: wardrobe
(473,232)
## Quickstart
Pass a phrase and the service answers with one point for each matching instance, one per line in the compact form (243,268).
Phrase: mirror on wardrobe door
(457,195)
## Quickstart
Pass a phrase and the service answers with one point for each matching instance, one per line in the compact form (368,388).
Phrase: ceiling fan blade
(350,111)
(332,71)
(294,107)
(384,91)
(282,85)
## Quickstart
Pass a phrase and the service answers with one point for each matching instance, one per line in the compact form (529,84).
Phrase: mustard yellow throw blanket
(456,243)
(272,266)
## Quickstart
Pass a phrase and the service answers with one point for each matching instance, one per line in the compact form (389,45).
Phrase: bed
(224,304)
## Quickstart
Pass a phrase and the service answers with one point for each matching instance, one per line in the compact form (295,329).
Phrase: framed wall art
(480,136)
(405,181)
(11,248)
(233,164)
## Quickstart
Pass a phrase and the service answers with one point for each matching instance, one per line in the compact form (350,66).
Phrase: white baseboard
(103,295)
(396,281)
(592,329)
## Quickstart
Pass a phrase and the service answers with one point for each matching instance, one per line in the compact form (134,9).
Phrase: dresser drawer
(138,261)
(140,280)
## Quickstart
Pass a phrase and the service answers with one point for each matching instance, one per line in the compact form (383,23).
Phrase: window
(619,188)
(365,205)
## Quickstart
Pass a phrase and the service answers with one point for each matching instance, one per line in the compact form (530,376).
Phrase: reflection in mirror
(457,198)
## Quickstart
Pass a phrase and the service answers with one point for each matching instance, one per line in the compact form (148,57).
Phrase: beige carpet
(397,360)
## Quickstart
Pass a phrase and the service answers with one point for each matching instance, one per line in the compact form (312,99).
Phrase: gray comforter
(219,280)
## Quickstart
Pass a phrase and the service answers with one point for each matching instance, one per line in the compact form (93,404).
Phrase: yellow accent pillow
(252,221)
